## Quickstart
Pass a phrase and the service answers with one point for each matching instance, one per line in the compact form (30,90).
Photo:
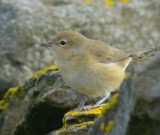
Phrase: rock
(24,24)
(137,111)
(41,104)
(38,106)
(78,122)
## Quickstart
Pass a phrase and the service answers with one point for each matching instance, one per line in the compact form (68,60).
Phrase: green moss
(38,73)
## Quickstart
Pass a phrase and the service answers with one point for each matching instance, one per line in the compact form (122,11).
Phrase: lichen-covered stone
(79,121)
(10,94)
(38,106)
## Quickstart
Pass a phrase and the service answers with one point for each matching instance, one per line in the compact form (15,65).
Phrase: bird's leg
(102,100)
(99,103)
(82,103)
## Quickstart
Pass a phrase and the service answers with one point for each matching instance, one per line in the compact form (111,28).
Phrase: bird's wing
(108,54)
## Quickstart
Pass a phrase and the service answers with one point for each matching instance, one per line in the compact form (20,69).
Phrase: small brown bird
(88,66)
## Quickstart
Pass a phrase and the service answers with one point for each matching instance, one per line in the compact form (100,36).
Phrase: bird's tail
(148,51)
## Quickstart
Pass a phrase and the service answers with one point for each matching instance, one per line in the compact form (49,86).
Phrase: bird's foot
(82,105)
(87,107)
(101,101)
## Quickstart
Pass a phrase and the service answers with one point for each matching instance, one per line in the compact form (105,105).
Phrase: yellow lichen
(102,126)
(88,2)
(83,124)
(80,121)
(109,125)
(124,1)
(38,73)
(109,104)
(96,110)
(64,122)
(109,3)
(3,104)
(80,125)
(74,126)
(11,92)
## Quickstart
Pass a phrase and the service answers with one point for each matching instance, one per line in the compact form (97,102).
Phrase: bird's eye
(63,42)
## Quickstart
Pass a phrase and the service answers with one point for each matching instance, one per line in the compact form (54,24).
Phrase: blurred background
(24,24)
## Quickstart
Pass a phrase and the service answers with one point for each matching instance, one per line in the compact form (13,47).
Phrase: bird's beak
(47,43)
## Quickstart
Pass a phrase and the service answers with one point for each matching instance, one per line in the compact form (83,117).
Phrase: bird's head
(67,44)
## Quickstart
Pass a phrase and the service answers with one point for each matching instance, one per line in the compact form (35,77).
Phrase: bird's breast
(91,79)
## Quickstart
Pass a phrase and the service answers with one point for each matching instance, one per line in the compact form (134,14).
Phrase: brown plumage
(88,66)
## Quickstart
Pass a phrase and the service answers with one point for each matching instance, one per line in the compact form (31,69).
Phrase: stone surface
(137,111)
(25,23)
(38,106)
(77,122)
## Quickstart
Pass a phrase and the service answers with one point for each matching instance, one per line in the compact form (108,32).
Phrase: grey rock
(78,121)
(38,106)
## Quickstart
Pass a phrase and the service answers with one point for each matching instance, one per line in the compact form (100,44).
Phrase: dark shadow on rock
(42,119)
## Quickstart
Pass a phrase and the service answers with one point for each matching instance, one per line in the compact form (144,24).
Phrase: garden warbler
(89,66)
